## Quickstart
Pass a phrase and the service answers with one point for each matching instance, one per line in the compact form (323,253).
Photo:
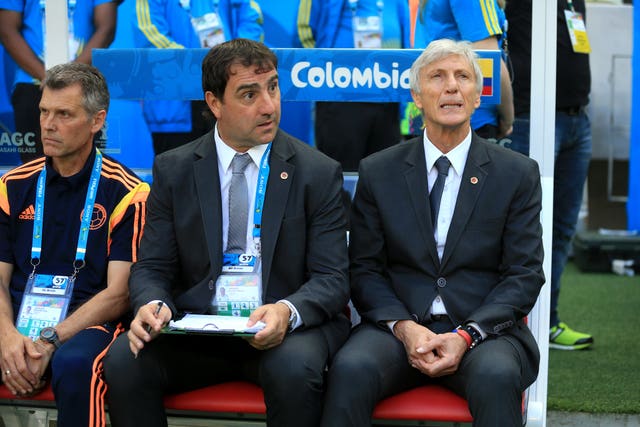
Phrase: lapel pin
(474,180)
(284,175)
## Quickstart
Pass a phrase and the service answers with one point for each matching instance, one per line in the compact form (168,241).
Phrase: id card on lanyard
(367,30)
(239,287)
(577,30)
(208,27)
(46,297)
(74,44)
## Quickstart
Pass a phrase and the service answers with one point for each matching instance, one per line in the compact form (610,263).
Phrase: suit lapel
(205,170)
(281,175)
(416,178)
(473,179)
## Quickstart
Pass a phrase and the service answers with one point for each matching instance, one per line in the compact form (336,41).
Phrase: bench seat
(244,401)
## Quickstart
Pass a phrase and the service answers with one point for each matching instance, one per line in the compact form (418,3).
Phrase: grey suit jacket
(304,253)
(491,269)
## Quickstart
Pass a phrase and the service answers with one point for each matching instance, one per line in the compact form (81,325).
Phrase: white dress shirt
(458,159)
(225,156)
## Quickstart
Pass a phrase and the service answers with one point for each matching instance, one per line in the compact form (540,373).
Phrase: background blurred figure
(127,136)
(299,24)
(349,131)
(573,136)
(482,22)
(188,24)
(7,69)
(92,25)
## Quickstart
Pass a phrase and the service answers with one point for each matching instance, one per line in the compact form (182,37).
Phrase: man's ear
(97,121)
(213,103)
(477,101)
(416,99)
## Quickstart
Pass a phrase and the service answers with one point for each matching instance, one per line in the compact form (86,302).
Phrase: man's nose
(268,103)
(451,84)
(47,121)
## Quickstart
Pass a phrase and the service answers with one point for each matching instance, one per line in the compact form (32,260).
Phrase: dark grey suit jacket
(491,269)
(304,253)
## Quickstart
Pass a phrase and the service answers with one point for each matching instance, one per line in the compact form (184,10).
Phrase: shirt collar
(457,156)
(77,180)
(226,153)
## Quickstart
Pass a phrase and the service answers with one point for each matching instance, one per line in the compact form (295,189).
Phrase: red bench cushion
(46,395)
(234,396)
(426,403)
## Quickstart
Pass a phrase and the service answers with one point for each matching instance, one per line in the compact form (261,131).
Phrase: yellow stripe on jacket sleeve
(18,173)
(255,6)
(260,21)
(149,29)
(490,17)
(4,198)
(136,197)
(304,28)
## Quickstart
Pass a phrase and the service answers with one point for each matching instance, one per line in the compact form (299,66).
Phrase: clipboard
(209,324)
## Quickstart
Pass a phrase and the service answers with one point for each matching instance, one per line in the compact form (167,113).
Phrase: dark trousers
(291,374)
(350,131)
(76,378)
(373,365)
(25,100)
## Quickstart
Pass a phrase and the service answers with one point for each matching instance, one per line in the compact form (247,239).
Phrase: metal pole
(542,149)
(57,33)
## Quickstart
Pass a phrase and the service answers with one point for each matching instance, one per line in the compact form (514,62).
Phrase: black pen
(158,308)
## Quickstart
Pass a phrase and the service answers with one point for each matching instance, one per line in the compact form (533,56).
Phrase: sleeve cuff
(298,322)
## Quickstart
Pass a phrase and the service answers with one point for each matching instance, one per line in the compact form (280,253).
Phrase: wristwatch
(50,335)
(293,317)
(476,337)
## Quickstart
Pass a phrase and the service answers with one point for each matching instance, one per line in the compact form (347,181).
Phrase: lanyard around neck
(261,191)
(186,5)
(38,229)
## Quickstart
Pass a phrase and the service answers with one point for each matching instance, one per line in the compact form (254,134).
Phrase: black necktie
(442,164)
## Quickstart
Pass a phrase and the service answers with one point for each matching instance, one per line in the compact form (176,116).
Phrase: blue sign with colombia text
(362,75)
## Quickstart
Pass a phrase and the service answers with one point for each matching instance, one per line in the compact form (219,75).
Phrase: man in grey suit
(292,246)
(443,291)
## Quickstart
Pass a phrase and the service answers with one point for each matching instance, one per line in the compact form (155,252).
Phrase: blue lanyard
(186,5)
(36,242)
(261,191)
(354,6)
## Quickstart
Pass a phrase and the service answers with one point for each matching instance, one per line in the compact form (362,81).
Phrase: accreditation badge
(367,32)
(44,303)
(577,32)
(239,287)
(209,29)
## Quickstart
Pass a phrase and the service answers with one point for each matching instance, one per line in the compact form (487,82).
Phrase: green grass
(605,378)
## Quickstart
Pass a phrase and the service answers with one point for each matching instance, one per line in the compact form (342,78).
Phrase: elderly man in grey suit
(446,260)
(249,208)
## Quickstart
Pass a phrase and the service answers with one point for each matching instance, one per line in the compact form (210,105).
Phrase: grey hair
(440,49)
(95,94)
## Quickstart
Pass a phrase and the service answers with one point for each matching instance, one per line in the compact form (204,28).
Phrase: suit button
(211,285)
(441,282)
